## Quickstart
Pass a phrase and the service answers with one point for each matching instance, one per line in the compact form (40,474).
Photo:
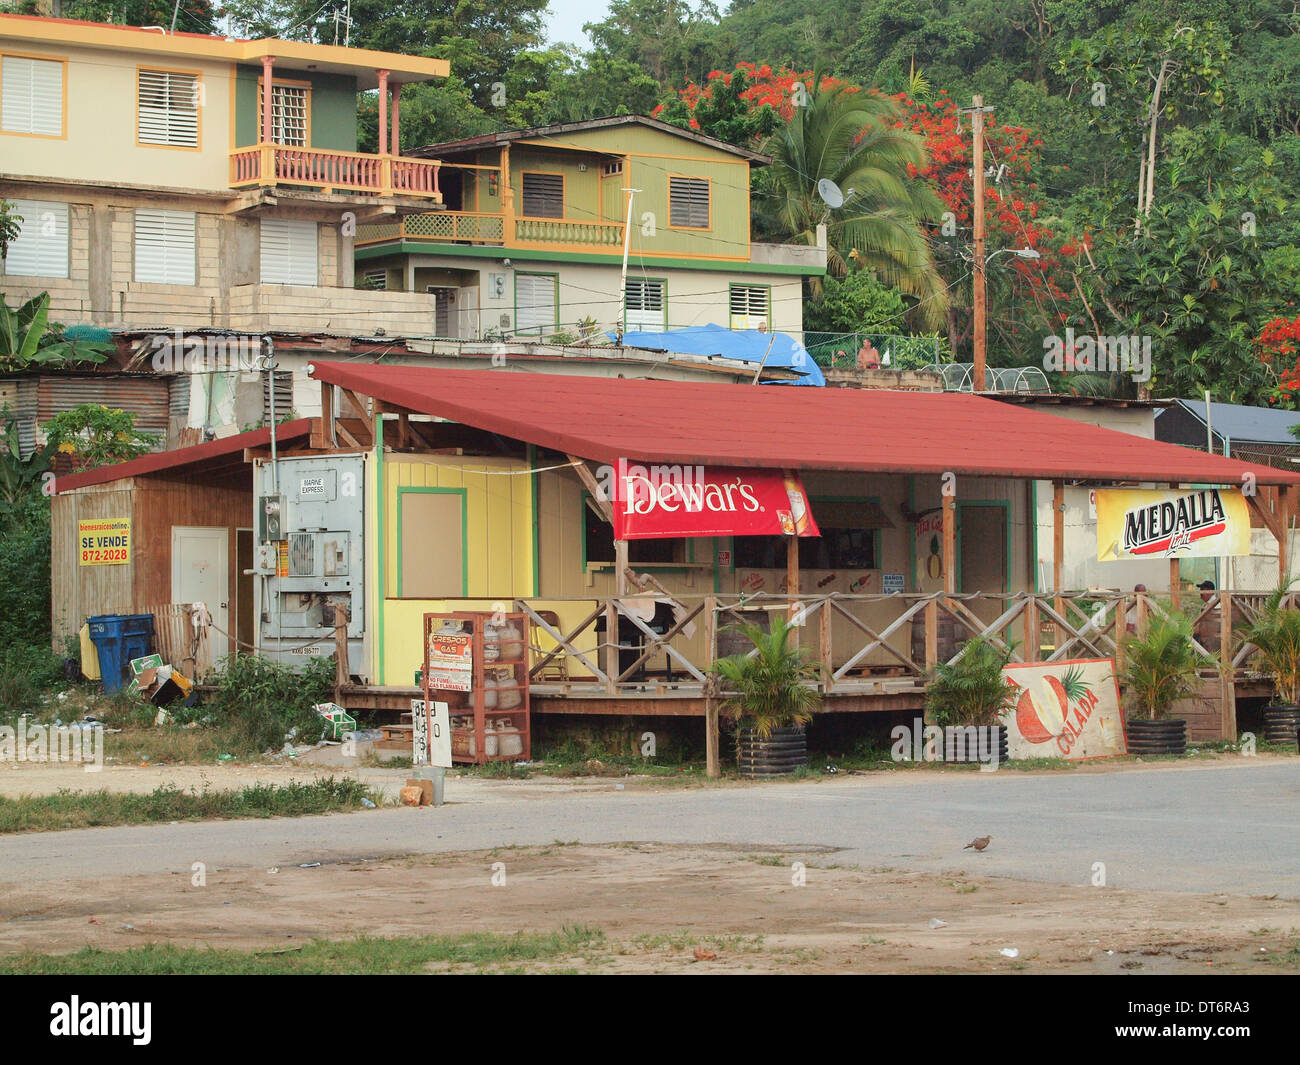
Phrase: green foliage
(973,689)
(771,689)
(261,701)
(27,672)
(1160,664)
(10,226)
(79,809)
(22,480)
(1275,631)
(29,340)
(851,139)
(856,303)
(95,435)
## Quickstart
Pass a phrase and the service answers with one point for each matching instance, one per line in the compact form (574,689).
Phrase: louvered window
(289,114)
(164,247)
(688,202)
(646,304)
(31,96)
(536,310)
(169,108)
(41,247)
(288,252)
(376,280)
(544,195)
(751,307)
(283,396)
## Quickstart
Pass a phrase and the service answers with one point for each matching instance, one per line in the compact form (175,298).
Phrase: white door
(200,574)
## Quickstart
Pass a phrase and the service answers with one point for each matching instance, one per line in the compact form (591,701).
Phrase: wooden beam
(327,414)
(1227,687)
(792,580)
(403,430)
(1265,515)
(1284,534)
(712,767)
(597,493)
(1058,533)
(949,504)
(620,568)
(1032,636)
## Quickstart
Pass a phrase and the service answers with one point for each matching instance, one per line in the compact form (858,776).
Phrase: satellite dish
(830,193)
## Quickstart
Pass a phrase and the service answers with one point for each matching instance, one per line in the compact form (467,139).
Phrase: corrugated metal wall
(145,397)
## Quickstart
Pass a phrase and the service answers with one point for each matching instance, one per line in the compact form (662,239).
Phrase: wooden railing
(274,164)
(489,227)
(880,643)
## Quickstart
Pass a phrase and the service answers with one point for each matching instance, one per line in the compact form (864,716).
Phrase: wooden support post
(712,767)
(949,505)
(327,414)
(1284,538)
(1058,553)
(1032,635)
(342,669)
(620,568)
(827,647)
(1121,631)
(1175,574)
(403,430)
(1227,683)
(931,634)
(611,647)
(792,583)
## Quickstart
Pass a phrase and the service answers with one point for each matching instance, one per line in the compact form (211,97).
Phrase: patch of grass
(679,941)
(571,757)
(362,955)
(1039,763)
(88,809)
(499,771)
(373,761)
(174,746)
(768,859)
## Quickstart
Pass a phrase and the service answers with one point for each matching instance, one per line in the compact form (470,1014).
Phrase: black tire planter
(965,751)
(781,754)
(1281,724)
(1157,737)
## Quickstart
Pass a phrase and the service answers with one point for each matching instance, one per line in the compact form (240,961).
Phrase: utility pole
(627,244)
(980,304)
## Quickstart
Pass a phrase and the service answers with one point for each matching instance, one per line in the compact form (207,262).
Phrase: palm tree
(850,137)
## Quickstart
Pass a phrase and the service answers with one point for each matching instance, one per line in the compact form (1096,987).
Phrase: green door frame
(464,530)
(1005,504)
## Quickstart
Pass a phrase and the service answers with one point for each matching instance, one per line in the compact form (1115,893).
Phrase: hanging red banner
(653,501)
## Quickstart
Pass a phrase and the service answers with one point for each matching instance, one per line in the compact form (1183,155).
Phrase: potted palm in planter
(1275,632)
(969,695)
(1159,669)
(767,695)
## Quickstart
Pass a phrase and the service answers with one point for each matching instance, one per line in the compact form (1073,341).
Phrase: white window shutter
(168,108)
(41,248)
(535,310)
(31,96)
(165,247)
(646,305)
(688,202)
(750,307)
(289,252)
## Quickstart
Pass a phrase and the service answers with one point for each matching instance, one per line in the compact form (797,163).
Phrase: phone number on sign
(114,554)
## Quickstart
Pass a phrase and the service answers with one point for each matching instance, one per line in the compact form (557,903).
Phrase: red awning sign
(651,501)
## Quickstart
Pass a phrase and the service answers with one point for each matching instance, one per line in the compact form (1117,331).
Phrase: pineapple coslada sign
(1064,710)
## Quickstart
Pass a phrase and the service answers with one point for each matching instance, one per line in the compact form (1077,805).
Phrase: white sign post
(432,744)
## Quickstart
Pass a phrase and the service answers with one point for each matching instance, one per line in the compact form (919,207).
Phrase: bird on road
(978,844)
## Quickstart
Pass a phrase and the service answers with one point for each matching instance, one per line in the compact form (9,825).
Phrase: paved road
(1231,827)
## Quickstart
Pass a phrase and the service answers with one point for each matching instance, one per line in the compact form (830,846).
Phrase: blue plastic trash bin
(119,638)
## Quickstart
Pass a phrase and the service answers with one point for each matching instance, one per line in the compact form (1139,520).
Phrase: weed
(81,809)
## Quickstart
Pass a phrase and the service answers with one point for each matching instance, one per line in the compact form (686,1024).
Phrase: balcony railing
(482,227)
(265,165)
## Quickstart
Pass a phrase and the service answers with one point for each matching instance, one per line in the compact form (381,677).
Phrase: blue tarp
(748,345)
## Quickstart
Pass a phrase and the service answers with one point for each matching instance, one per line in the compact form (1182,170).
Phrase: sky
(564,19)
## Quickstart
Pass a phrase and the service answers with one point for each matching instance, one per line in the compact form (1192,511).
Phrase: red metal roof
(198,455)
(775,426)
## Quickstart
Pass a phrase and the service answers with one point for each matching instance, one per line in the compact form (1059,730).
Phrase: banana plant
(28,339)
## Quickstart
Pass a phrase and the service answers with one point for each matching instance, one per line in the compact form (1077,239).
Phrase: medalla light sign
(652,501)
(1149,523)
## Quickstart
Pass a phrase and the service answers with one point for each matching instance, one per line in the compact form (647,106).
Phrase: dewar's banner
(1064,710)
(1167,523)
(652,501)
